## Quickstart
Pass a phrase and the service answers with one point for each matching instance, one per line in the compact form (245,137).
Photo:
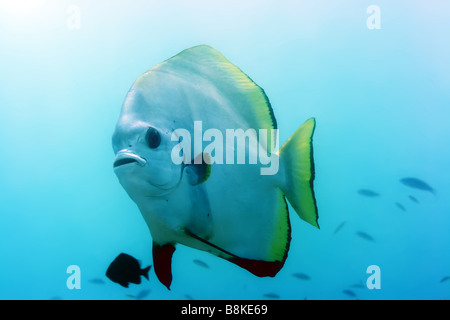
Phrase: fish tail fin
(297,156)
(145,272)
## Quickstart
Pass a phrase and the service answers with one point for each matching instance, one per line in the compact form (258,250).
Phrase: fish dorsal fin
(244,96)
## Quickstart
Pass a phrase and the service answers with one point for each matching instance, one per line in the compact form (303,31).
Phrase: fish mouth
(126,157)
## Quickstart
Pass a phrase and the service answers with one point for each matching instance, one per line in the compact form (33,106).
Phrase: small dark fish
(271,296)
(358,285)
(368,193)
(125,269)
(97,281)
(339,227)
(188,297)
(413,199)
(201,263)
(400,206)
(142,294)
(445,279)
(417,184)
(364,236)
(349,293)
(56,298)
(301,276)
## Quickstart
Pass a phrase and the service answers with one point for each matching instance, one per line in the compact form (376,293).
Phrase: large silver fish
(234,211)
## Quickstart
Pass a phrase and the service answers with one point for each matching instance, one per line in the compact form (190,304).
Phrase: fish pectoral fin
(199,170)
(162,261)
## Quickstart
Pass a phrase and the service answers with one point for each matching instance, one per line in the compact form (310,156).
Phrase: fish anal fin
(259,268)
(162,261)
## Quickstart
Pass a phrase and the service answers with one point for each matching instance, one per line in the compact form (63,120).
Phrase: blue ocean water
(380,97)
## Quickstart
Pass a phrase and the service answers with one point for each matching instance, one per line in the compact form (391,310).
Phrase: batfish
(349,293)
(417,184)
(339,227)
(201,263)
(229,209)
(301,276)
(364,236)
(368,193)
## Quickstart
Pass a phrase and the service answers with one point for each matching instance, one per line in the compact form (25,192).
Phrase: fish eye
(153,138)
